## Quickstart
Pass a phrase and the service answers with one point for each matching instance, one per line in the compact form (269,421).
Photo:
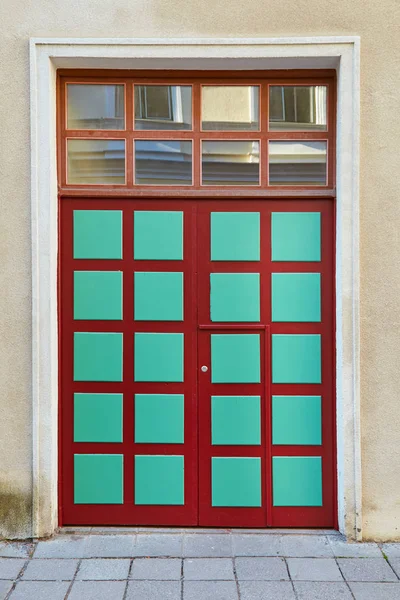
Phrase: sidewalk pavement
(198,564)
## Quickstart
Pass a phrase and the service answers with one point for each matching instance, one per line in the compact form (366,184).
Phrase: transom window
(201,133)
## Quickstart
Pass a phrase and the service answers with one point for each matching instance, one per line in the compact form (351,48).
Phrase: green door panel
(235,236)
(98,295)
(159,480)
(235,297)
(296,358)
(235,420)
(98,417)
(98,479)
(297,480)
(158,296)
(235,358)
(296,236)
(158,235)
(236,481)
(296,420)
(296,297)
(159,357)
(98,234)
(159,418)
(97,356)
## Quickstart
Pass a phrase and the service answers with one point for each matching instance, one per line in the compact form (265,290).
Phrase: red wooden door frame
(194,324)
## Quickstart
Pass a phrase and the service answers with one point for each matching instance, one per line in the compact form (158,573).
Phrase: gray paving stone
(63,546)
(110,546)
(305,546)
(208,569)
(5,587)
(314,569)
(163,569)
(104,568)
(266,590)
(97,590)
(207,531)
(15,549)
(114,530)
(395,564)
(256,545)
(344,549)
(10,567)
(391,550)
(158,545)
(322,590)
(375,591)
(207,545)
(153,590)
(40,590)
(261,569)
(51,569)
(366,569)
(210,590)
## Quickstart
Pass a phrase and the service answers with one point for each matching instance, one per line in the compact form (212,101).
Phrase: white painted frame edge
(48,54)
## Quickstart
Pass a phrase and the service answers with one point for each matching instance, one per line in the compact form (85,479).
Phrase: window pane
(96,161)
(230,163)
(163,162)
(297,163)
(295,108)
(95,106)
(163,107)
(230,107)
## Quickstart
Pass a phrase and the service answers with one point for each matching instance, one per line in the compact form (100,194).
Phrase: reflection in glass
(230,107)
(295,107)
(96,161)
(230,162)
(163,162)
(95,106)
(299,162)
(163,107)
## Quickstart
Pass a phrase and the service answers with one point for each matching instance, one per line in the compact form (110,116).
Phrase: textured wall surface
(377,24)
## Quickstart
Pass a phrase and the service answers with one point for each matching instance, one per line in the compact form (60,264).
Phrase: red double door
(197,363)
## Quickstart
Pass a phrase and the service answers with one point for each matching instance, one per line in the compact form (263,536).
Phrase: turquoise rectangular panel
(296,359)
(297,480)
(159,357)
(97,356)
(235,420)
(158,235)
(159,480)
(98,234)
(98,479)
(158,296)
(159,418)
(98,417)
(235,236)
(235,297)
(296,297)
(296,420)
(236,481)
(98,295)
(235,358)
(296,236)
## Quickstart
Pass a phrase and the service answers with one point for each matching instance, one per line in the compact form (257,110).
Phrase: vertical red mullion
(128,384)
(264,108)
(196,117)
(129,132)
(266,317)
(194,392)
(327,388)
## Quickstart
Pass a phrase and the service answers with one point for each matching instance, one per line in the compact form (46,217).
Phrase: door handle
(204,369)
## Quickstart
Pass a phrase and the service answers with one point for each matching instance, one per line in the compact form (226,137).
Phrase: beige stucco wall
(377,24)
